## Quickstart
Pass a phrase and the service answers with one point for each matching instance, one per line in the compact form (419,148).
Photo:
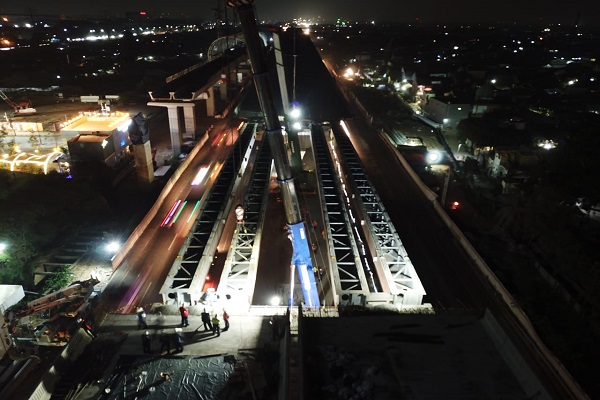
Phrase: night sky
(485,11)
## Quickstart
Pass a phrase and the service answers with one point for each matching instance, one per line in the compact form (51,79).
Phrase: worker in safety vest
(215,324)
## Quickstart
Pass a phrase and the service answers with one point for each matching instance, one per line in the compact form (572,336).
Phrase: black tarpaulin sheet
(172,378)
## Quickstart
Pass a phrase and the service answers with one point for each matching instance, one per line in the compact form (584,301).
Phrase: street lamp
(112,247)
(434,157)
(275,300)
(295,112)
(3,257)
(293,120)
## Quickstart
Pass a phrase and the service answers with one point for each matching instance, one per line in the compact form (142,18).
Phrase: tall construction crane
(298,234)
(19,108)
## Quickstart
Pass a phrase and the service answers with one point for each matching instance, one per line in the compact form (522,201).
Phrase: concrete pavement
(243,361)
(246,332)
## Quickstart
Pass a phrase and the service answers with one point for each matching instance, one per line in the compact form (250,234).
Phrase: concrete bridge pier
(174,127)
(209,96)
(144,168)
(223,85)
(189,117)
(180,123)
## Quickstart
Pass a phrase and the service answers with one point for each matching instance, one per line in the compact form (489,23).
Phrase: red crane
(21,108)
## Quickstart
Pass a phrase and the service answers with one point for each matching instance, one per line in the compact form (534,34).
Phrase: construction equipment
(22,108)
(47,321)
(301,257)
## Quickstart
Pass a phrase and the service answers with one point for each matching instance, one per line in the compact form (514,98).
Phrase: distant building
(96,147)
(448,114)
(99,137)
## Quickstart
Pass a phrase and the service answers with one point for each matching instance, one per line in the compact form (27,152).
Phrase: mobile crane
(22,108)
(301,252)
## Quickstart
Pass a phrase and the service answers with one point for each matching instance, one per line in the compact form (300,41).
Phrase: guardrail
(143,225)
(552,363)
(553,367)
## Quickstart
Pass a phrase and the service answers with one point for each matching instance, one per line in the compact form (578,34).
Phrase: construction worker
(226,319)
(141,314)
(165,343)
(184,315)
(178,339)
(206,321)
(146,343)
(216,327)
(274,322)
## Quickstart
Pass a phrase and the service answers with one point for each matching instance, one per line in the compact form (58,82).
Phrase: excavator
(46,321)
(22,108)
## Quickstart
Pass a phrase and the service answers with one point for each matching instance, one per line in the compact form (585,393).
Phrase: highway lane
(140,276)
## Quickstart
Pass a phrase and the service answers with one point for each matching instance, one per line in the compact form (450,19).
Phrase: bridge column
(189,117)
(174,128)
(235,76)
(144,167)
(210,102)
(223,83)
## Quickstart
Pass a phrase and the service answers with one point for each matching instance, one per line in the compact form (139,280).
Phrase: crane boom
(4,97)
(301,251)
(23,108)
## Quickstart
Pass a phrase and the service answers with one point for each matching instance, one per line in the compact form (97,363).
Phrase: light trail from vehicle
(200,176)
(193,211)
(219,139)
(178,213)
(345,128)
(172,242)
(170,213)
